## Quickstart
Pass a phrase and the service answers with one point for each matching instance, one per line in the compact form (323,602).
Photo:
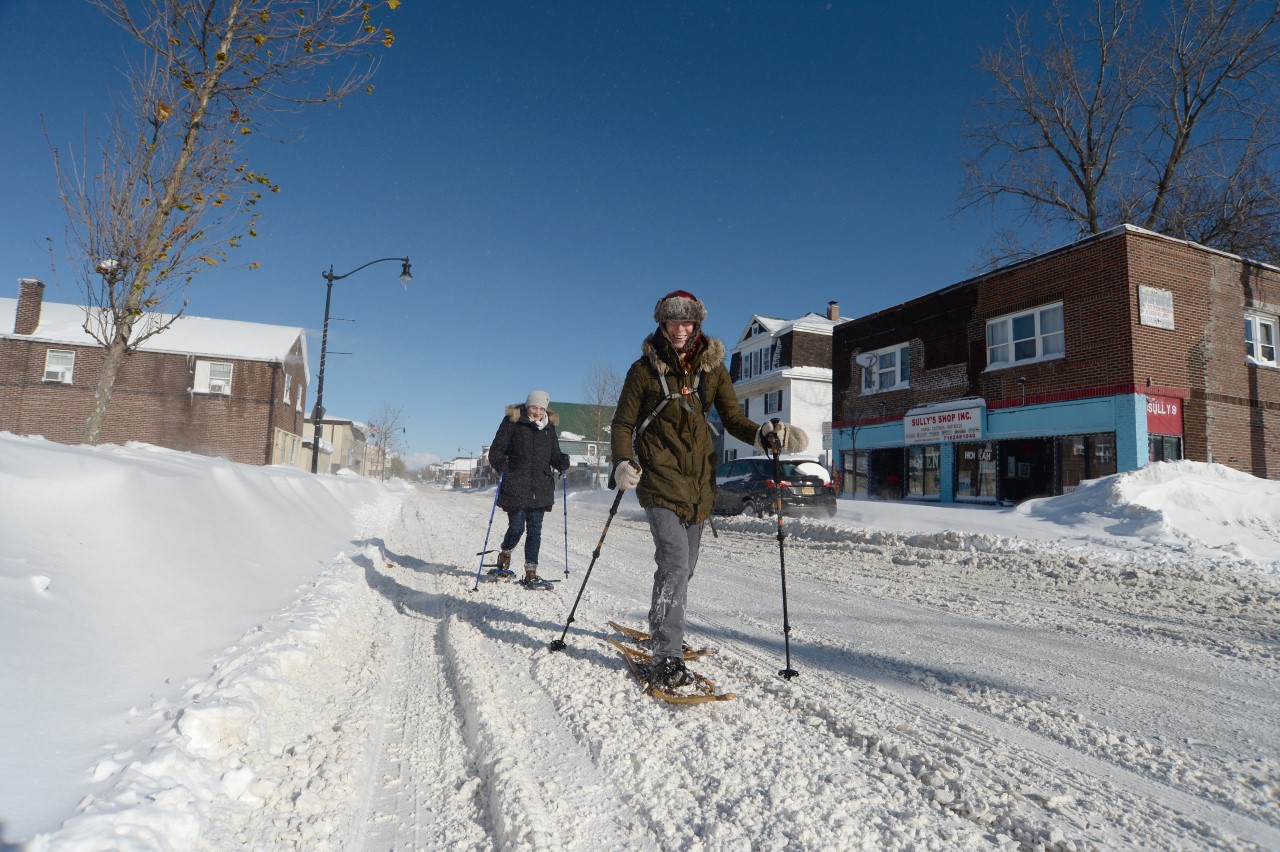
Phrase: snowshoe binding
(501,569)
(668,680)
(532,580)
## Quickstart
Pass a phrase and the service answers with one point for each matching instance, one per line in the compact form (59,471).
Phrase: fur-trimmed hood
(711,354)
(516,412)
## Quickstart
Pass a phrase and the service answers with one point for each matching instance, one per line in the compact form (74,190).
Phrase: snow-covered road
(946,698)
(956,691)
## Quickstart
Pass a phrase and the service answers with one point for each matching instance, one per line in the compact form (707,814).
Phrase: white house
(782,368)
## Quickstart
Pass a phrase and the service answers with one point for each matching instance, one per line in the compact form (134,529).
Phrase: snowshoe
(695,689)
(533,581)
(639,640)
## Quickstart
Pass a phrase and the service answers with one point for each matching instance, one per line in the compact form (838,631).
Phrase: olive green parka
(676,451)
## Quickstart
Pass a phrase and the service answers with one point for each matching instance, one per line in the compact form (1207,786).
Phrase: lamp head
(405,277)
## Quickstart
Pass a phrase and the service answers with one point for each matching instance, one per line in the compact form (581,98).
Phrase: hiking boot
(531,574)
(669,674)
(504,560)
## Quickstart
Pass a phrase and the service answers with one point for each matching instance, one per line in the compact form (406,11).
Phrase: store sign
(930,427)
(1155,307)
(1164,415)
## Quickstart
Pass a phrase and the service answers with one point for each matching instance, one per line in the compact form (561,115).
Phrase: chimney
(833,311)
(30,297)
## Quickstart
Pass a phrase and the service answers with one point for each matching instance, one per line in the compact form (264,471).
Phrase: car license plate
(807,490)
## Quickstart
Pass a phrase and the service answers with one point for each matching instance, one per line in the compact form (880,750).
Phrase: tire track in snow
(544,788)
(423,787)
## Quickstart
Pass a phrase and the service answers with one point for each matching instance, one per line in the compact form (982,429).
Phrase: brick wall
(151,402)
(30,298)
(940,367)
(805,349)
(1231,408)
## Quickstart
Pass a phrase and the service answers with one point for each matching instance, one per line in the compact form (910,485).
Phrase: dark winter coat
(677,451)
(525,456)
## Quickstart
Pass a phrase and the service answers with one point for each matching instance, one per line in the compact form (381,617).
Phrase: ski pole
(774,448)
(496,492)
(564,489)
(558,644)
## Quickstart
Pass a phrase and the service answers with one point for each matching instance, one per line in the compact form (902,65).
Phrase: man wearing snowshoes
(665,449)
(525,451)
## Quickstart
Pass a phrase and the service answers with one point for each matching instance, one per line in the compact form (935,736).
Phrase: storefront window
(1082,457)
(1164,448)
(923,462)
(976,471)
(1103,461)
(854,481)
(1073,462)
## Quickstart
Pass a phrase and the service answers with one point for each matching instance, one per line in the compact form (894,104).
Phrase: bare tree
(387,430)
(165,200)
(1163,122)
(600,388)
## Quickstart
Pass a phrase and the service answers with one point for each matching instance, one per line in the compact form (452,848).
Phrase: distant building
(584,437)
(782,368)
(343,446)
(234,390)
(1120,349)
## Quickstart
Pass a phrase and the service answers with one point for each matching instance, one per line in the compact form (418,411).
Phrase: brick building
(214,387)
(782,368)
(1120,349)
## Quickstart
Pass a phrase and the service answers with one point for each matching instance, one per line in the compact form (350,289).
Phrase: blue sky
(552,168)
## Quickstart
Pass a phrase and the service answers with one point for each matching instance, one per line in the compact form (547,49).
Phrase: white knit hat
(541,399)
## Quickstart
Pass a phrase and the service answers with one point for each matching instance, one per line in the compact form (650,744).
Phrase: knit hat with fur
(679,306)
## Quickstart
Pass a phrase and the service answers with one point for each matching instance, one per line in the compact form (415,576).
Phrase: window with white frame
(59,364)
(773,402)
(890,371)
(1035,335)
(1260,338)
(213,377)
(288,384)
(762,360)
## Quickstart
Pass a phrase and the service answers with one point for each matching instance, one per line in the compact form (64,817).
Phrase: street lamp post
(317,413)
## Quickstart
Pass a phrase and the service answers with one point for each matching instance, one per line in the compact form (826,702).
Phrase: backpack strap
(682,396)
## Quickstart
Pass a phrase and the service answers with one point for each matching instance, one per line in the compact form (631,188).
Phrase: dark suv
(748,486)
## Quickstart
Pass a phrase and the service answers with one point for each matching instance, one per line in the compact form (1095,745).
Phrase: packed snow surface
(202,655)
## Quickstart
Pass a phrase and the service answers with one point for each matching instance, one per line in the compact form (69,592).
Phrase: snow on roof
(812,322)
(252,341)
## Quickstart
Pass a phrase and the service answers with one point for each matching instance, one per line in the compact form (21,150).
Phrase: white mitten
(626,474)
(790,439)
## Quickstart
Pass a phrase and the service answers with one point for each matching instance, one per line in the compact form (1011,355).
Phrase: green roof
(589,421)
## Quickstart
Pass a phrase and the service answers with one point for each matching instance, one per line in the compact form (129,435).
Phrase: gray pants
(676,554)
